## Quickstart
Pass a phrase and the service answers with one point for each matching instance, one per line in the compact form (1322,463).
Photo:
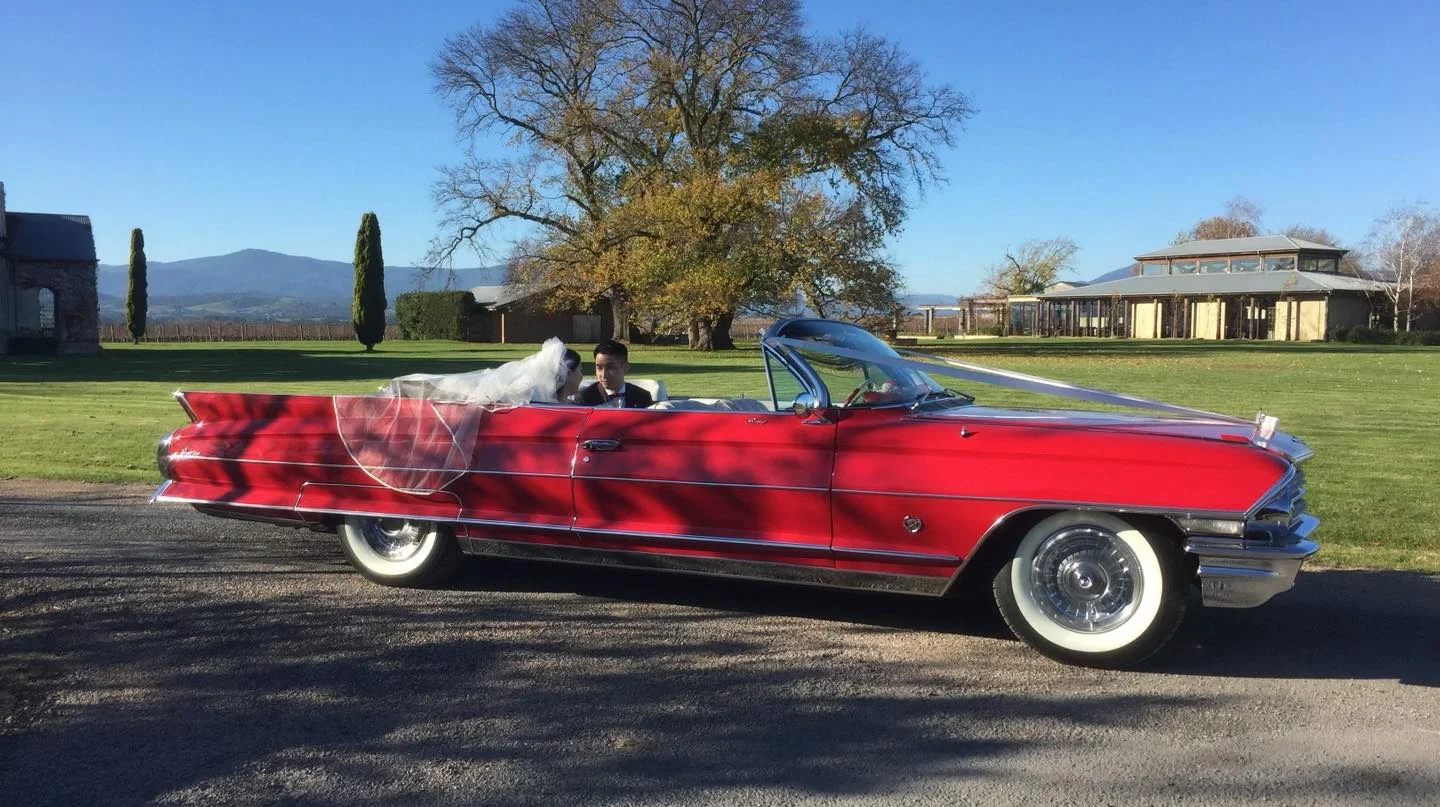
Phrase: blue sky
(275,125)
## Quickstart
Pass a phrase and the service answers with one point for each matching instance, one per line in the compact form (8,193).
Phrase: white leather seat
(713,405)
(655,387)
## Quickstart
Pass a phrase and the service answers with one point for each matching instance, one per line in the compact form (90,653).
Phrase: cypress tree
(367,310)
(136,301)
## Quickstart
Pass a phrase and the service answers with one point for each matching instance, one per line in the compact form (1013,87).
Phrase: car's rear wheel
(1093,589)
(400,552)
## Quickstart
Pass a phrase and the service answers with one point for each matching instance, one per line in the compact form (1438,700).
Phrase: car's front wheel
(1093,589)
(399,552)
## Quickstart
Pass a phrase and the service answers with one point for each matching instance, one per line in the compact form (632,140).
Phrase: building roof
(1240,246)
(497,296)
(1290,282)
(49,237)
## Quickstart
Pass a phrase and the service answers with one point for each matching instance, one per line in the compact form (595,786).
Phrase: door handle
(601,445)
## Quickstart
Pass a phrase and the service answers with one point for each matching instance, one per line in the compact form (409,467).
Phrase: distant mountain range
(255,284)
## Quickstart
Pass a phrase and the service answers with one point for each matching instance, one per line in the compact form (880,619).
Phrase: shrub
(1371,336)
(1340,334)
(432,314)
(1418,338)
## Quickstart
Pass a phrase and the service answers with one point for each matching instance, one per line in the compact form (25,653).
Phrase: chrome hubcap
(1085,579)
(393,539)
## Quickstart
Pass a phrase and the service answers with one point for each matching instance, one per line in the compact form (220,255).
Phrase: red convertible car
(860,471)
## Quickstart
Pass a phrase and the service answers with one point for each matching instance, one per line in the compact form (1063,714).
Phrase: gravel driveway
(151,654)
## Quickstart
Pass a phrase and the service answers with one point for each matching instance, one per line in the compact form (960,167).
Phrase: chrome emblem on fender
(912,523)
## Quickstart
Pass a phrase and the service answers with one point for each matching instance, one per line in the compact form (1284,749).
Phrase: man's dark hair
(572,359)
(612,348)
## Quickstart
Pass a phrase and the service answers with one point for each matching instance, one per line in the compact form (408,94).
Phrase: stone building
(48,298)
(1268,287)
(508,314)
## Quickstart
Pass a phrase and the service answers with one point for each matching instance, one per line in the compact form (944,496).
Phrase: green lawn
(1371,413)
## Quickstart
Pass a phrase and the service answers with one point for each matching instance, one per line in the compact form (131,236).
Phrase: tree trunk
(720,338)
(705,336)
(619,318)
(692,336)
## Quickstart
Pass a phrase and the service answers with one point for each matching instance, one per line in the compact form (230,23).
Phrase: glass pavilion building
(1268,287)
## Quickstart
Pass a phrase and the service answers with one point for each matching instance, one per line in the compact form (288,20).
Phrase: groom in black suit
(612,361)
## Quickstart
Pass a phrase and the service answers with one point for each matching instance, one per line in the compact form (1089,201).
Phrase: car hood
(1289,446)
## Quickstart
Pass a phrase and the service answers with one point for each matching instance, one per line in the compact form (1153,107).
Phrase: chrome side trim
(913,558)
(709,540)
(516,525)
(186,500)
(1033,504)
(710,567)
(1240,573)
(629,479)
(351,466)
(923,558)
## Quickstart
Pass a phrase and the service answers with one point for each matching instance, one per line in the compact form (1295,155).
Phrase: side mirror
(807,408)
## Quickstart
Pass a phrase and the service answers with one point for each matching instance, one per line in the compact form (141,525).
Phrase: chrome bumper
(1236,573)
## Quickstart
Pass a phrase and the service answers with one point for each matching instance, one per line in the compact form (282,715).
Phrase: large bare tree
(1404,247)
(1241,219)
(656,145)
(1030,269)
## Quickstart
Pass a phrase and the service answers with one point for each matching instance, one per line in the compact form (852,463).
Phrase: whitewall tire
(397,552)
(1092,589)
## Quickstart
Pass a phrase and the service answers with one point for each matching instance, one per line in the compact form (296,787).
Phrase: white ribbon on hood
(1003,378)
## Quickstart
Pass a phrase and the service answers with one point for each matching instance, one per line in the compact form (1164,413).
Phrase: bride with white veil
(418,433)
(533,379)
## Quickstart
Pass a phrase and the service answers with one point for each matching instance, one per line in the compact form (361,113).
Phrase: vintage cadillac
(860,471)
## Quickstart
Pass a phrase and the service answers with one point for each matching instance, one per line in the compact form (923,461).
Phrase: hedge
(432,314)
(1381,336)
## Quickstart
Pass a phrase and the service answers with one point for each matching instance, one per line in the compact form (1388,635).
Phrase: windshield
(867,383)
(853,382)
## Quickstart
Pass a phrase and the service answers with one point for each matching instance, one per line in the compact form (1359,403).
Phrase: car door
(753,486)
(518,484)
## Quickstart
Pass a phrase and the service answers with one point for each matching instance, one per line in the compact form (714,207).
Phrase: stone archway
(47,314)
(37,321)
(71,309)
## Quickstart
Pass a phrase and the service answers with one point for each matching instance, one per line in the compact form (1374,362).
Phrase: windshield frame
(844,335)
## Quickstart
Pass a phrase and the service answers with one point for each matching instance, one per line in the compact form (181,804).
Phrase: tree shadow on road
(329,687)
(532,682)
(1335,623)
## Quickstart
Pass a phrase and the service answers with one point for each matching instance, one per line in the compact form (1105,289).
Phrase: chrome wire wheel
(393,539)
(1086,579)
(1092,588)
(399,551)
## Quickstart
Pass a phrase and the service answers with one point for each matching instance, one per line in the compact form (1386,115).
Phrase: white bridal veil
(416,435)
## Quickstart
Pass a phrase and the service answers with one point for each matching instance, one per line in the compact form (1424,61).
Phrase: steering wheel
(865,386)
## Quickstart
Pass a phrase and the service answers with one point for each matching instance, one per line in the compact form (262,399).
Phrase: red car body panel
(765,487)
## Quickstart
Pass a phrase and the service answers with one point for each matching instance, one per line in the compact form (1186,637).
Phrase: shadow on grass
(195,368)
